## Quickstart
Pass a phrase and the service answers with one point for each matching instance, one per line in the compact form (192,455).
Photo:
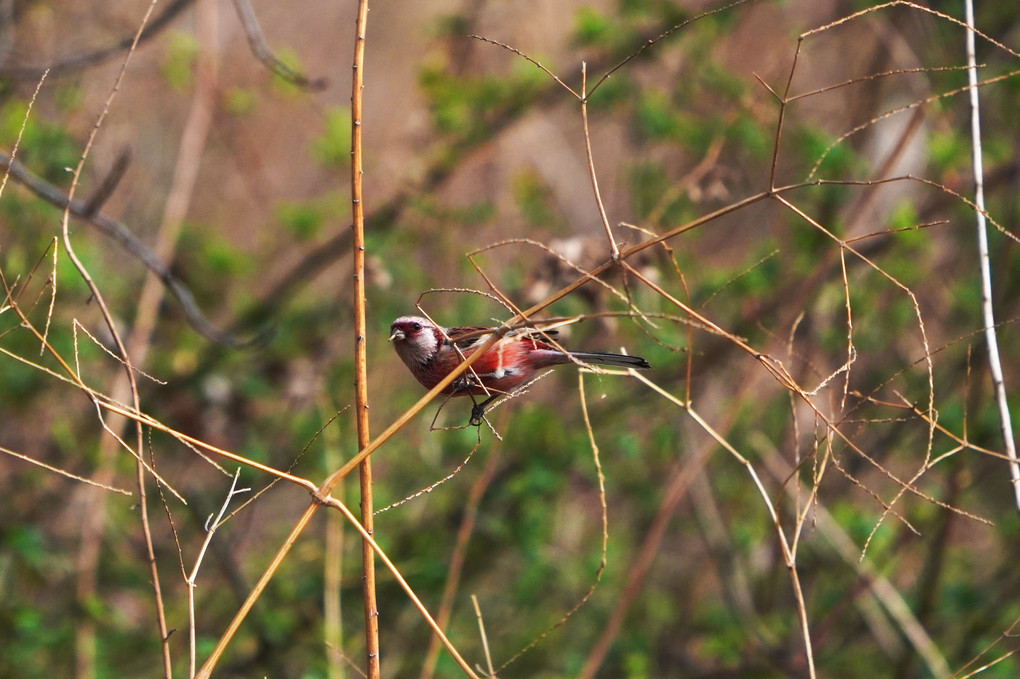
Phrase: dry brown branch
(485,639)
(774,342)
(527,58)
(788,549)
(681,476)
(193,142)
(211,662)
(21,132)
(592,174)
(369,599)
(63,472)
(123,235)
(881,588)
(261,51)
(662,36)
(122,350)
(76,62)
(1006,635)
(605,534)
(902,109)
(912,5)
(435,484)
(191,578)
(458,557)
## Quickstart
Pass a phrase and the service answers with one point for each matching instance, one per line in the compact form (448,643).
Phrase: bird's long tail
(599,358)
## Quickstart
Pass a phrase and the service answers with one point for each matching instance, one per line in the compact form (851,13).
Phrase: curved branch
(261,51)
(82,60)
(110,227)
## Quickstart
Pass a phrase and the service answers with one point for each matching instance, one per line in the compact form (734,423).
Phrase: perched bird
(431,352)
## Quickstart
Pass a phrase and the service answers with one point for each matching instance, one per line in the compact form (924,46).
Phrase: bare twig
(120,233)
(605,532)
(881,588)
(529,59)
(788,549)
(458,556)
(615,249)
(206,670)
(211,525)
(193,141)
(21,130)
(63,472)
(987,311)
(82,60)
(680,476)
(257,43)
(647,44)
(901,109)
(484,636)
(122,349)
(1008,634)
(435,484)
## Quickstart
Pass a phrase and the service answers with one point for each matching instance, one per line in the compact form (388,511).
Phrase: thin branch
(119,232)
(192,577)
(987,311)
(77,62)
(527,58)
(615,249)
(121,348)
(210,664)
(261,51)
(458,556)
(64,472)
(485,637)
(662,36)
(605,531)
(789,553)
(680,476)
(881,588)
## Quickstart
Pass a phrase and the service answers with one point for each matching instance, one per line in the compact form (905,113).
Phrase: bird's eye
(416,327)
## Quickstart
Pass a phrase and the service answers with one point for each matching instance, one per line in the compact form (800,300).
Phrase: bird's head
(415,339)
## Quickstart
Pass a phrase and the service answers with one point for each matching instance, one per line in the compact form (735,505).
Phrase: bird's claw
(477,415)
(464,382)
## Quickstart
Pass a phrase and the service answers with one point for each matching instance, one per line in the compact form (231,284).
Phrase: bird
(431,352)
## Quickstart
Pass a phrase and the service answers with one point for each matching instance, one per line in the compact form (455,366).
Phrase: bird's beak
(397,335)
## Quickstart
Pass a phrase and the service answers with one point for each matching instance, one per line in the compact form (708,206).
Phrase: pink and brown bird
(431,352)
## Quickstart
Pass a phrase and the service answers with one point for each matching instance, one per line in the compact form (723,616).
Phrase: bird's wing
(469,336)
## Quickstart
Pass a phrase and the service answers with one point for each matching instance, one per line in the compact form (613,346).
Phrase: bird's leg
(478,410)
(465,382)
(432,427)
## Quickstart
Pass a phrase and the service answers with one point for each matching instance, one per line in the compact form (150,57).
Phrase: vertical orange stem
(360,353)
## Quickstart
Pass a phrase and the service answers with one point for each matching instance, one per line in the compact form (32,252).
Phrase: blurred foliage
(683,129)
(467,108)
(333,146)
(179,61)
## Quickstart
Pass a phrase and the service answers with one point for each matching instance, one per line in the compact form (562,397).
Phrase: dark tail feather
(611,359)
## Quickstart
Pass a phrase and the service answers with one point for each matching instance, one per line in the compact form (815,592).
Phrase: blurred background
(236,177)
